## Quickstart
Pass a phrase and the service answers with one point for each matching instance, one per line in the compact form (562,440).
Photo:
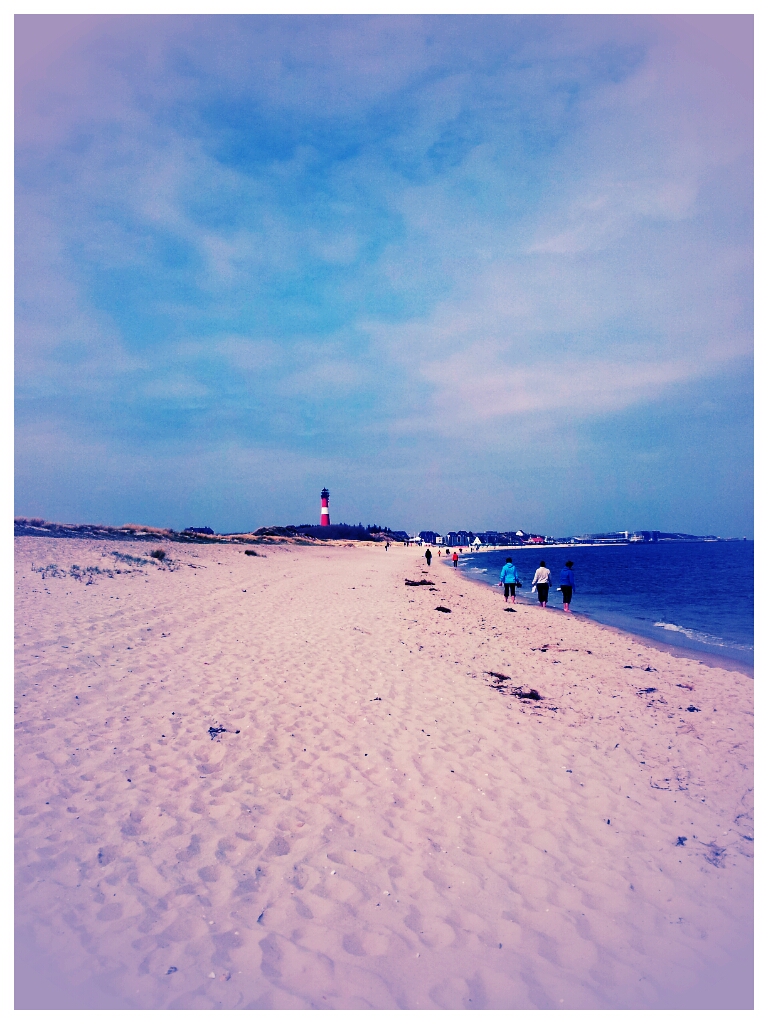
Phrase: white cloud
(430,228)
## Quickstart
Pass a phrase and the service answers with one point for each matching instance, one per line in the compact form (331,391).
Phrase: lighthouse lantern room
(325,516)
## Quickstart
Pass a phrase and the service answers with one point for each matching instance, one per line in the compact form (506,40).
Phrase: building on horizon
(458,538)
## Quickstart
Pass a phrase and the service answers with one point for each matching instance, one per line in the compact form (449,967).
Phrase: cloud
(328,234)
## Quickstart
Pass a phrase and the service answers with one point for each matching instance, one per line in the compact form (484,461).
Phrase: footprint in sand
(278,847)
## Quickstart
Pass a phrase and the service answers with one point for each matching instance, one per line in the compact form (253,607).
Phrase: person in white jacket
(541,581)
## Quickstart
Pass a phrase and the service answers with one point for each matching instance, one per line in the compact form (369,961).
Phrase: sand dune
(376,826)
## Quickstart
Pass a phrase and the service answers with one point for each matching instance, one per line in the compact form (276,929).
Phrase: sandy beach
(287,781)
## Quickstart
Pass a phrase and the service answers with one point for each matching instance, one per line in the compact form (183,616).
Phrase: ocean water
(696,595)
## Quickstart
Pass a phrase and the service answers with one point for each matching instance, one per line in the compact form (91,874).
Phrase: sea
(697,595)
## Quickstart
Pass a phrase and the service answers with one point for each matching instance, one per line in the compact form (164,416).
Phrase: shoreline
(294,782)
(678,651)
(707,657)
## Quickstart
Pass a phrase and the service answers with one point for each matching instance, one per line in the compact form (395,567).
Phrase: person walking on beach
(428,556)
(567,583)
(455,560)
(509,580)
(541,581)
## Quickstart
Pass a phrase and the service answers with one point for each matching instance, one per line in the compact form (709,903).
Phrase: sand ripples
(442,846)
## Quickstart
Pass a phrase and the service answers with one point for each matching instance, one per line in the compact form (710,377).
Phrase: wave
(702,638)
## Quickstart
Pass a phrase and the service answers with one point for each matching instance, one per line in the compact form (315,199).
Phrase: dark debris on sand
(500,684)
(215,730)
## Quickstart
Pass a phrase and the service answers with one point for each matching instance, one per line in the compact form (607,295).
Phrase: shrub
(158,553)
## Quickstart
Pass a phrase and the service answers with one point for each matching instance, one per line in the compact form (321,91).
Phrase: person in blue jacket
(567,583)
(509,580)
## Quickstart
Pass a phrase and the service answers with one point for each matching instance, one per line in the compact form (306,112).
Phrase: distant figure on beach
(428,556)
(455,560)
(567,583)
(541,581)
(386,546)
(509,580)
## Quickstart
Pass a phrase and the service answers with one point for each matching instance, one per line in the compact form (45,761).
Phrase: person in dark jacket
(567,583)
(428,556)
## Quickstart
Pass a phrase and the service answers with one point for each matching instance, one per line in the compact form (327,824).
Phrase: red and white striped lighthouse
(325,515)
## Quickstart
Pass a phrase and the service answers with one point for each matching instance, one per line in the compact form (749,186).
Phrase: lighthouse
(325,515)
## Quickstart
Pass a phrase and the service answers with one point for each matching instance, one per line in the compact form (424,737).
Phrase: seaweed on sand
(500,683)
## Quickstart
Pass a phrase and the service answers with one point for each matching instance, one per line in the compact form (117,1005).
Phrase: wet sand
(376,826)
(676,651)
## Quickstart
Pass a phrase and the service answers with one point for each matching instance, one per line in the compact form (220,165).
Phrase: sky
(466,272)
